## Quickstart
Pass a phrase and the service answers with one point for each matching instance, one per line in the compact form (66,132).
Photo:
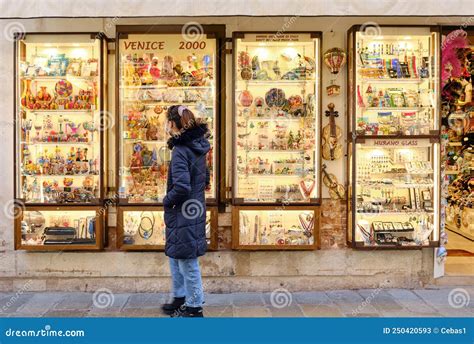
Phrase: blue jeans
(187,282)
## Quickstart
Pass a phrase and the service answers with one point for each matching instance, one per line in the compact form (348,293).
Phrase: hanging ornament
(335,59)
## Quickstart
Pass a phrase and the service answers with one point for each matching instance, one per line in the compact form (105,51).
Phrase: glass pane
(277,118)
(58,119)
(396,82)
(396,201)
(148,227)
(276,227)
(58,227)
(157,71)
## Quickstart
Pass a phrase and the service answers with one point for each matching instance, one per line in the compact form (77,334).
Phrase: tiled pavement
(442,302)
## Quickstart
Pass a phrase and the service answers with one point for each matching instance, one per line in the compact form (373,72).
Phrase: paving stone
(75,301)
(147,300)
(441,297)
(218,299)
(350,302)
(12,302)
(247,299)
(341,296)
(219,311)
(312,298)
(404,313)
(110,306)
(55,313)
(362,315)
(321,311)
(104,315)
(286,312)
(143,313)
(40,303)
(251,312)
(380,299)
(410,301)
(456,312)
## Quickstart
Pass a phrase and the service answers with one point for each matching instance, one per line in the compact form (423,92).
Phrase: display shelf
(64,111)
(374,108)
(143,229)
(56,78)
(394,80)
(59,143)
(152,87)
(59,228)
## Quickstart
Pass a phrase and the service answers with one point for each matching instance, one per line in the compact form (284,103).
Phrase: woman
(185,210)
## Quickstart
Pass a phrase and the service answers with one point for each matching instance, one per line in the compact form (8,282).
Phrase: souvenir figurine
(245,98)
(154,70)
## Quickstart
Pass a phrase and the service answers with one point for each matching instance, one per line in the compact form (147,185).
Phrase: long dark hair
(183,121)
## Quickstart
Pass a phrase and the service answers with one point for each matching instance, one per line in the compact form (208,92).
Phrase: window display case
(394,137)
(396,192)
(59,135)
(276,128)
(394,80)
(159,66)
(46,228)
(274,228)
(144,229)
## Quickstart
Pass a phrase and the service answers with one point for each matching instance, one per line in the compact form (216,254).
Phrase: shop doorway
(458,121)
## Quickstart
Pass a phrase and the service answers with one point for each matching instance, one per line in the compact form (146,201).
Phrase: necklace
(307,186)
(145,229)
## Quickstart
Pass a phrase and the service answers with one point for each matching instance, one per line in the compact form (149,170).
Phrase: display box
(395,193)
(276,118)
(59,228)
(143,229)
(393,80)
(159,66)
(275,228)
(59,132)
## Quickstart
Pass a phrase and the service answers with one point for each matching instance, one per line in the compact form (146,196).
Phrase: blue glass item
(91,228)
(207,61)
(290,76)
(275,97)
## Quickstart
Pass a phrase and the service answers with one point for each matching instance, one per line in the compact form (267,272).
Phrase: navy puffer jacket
(184,203)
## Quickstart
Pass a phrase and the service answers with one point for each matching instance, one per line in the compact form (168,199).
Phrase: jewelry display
(148,227)
(395,184)
(277,131)
(289,227)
